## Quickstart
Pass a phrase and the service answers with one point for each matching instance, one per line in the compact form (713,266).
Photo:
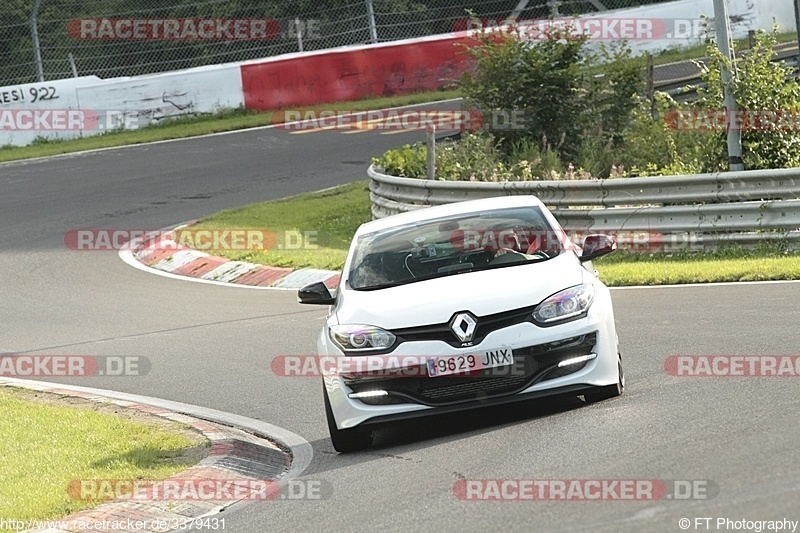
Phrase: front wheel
(345,440)
(611,391)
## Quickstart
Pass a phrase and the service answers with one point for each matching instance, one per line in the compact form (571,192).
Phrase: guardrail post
(373,28)
(299,28)
(72,65)
(797,17)
(430,142)
(651,89)
(37,51)
(724,44)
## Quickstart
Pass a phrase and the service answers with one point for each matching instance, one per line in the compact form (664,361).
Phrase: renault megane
(461,306)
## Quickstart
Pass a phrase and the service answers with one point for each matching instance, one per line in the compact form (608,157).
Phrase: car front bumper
(536,374)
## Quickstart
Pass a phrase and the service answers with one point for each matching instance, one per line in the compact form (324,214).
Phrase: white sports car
(461,306)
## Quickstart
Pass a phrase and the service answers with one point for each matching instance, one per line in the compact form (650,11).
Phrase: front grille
(532,364)
(486,324)
(466,388)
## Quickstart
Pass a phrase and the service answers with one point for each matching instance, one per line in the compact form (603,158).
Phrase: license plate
(447,365)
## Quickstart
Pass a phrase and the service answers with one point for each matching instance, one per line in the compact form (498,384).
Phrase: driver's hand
(502,251)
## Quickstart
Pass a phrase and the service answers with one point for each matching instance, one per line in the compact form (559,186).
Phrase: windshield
(452,245)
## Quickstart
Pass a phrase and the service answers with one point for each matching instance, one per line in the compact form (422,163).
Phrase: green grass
(699,271)
(733,264)
(46,445)
(336,213)
(181,127)
(326,219)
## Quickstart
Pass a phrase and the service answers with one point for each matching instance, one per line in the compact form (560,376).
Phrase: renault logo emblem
(463,325)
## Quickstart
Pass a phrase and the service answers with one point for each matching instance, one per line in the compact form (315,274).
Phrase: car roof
(457,208)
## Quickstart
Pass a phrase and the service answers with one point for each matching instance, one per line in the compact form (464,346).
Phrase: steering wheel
(508,258)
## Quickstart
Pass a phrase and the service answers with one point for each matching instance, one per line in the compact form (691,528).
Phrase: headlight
(564,305)
(351,338)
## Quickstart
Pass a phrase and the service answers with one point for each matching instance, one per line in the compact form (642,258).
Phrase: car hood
(482,293)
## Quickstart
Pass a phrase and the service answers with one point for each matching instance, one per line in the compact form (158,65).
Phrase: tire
(611,391)
(345,440)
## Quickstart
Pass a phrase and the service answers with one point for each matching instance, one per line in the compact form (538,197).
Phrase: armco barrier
(355,73)
(700,210)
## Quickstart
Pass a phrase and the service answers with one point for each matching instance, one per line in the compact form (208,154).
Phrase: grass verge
(178,128)
(313,230)
(48,441)
(765,263)
(329,218)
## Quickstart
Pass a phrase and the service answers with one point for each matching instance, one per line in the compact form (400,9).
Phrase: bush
(564,100)
(544,82)
(595,116)
(476,158)
(408,161)
(614,94)
(652,147)
(761,85)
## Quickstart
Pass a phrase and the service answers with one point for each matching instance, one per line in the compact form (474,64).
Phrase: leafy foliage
(544,81)
(768,96)
(588,109)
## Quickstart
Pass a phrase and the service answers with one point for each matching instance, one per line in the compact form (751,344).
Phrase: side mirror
(315,293)
(597,245)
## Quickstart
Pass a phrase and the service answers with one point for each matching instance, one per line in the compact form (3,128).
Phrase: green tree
(544,83)
(767,95)
(572,101)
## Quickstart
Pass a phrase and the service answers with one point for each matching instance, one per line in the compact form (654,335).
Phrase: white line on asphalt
(206,135)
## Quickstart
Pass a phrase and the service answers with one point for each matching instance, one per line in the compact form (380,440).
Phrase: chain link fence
(54,39)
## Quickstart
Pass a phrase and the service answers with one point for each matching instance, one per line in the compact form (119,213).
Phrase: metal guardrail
(704,210)
(681,79)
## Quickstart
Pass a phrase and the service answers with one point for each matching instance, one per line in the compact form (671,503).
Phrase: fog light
(367,394)
(576,360)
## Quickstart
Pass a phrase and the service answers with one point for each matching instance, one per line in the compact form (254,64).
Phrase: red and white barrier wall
(88,105)
(49,109)
(78,107)
(354,73)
